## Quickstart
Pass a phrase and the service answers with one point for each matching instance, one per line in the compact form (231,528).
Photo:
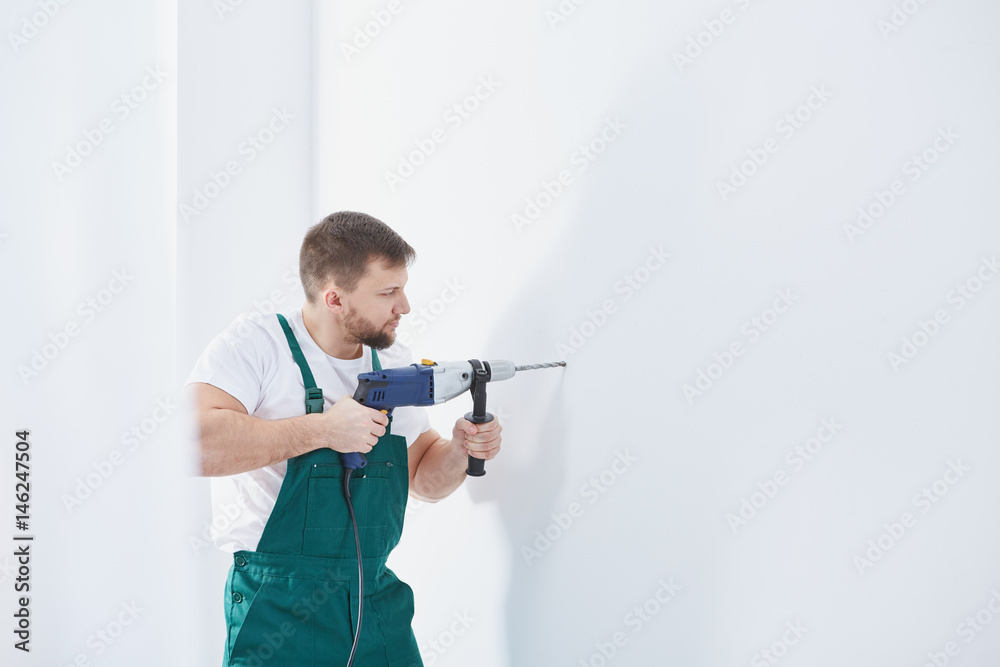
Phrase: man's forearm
(440,471)
(232,443)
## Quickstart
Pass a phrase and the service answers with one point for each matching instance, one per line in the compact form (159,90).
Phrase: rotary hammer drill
(428,383)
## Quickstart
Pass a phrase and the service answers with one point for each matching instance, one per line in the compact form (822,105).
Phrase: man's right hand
(233,441)
(350,427)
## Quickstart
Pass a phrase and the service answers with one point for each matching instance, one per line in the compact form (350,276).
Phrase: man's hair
(341,247)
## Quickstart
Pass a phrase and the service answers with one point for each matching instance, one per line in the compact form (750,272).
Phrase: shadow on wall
(558,421)
(527,479)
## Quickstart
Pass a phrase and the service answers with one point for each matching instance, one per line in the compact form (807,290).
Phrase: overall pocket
(328,530)
(269,620)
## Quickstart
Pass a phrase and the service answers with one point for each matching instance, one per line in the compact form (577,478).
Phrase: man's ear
(331,299)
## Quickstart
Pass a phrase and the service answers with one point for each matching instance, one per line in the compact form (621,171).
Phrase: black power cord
(361,574)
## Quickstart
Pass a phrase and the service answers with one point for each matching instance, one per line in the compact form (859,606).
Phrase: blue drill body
(391,388)
(396,387)
(429,383)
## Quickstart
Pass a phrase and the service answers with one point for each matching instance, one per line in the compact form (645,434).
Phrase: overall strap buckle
(314,400)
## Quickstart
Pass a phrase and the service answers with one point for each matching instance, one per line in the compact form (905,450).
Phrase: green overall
(293,601)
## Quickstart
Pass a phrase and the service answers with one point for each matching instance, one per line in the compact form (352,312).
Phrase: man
(292,591)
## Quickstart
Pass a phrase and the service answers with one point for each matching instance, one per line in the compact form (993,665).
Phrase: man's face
(373,310)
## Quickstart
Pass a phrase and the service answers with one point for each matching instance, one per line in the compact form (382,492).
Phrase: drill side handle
(477,466)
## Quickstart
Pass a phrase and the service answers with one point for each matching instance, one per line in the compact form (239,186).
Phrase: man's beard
(366,333)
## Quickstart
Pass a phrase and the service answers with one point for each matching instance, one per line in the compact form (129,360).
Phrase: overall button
(237,597)
(240,561)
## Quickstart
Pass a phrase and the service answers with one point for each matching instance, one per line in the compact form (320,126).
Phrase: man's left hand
(479,440)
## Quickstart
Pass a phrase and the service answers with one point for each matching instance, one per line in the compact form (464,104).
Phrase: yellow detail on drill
(427,362)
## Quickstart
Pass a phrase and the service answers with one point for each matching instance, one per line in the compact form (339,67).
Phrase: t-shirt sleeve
(234,362)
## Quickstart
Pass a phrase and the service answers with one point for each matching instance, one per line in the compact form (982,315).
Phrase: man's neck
(326,333)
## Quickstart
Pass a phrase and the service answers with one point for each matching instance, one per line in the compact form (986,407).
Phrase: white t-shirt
(252,362)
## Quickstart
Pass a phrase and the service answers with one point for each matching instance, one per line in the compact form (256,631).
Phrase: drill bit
(529,367)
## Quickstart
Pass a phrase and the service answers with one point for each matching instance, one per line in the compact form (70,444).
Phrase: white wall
(684,463)
(877,101)
(87,261)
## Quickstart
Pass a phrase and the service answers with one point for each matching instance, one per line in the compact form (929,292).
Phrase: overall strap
(314,395)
